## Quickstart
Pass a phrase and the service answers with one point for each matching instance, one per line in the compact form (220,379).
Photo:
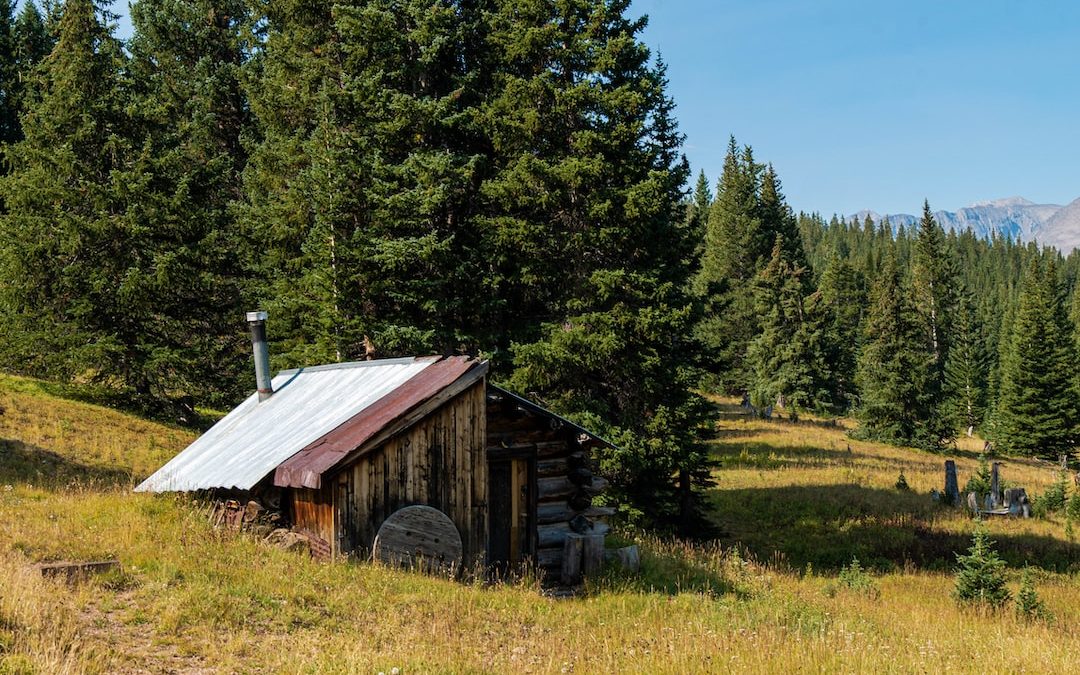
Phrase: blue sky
(867,104)
(870,104)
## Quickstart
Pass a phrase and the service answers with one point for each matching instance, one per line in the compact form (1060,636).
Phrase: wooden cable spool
(419,537)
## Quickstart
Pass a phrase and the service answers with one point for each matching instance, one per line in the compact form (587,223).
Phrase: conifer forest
(502,178)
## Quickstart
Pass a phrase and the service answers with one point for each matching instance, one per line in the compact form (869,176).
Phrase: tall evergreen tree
(1036,412)
(732,256)
(65,244)
(788,356)
(843,298)
(967,368)
(896,368)
(617,350)
(9,75)
(189,116)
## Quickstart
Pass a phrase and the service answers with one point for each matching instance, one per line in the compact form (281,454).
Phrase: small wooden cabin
(344,447)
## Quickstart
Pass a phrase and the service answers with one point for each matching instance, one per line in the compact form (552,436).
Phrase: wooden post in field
(995,485)
(952,487)
(573,550)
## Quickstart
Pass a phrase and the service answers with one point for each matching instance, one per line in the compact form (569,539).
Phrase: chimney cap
(259,315)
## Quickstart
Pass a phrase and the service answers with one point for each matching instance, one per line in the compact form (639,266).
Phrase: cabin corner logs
(514,479)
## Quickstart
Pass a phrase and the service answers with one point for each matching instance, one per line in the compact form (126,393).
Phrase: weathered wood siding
(313,512)
(439,461)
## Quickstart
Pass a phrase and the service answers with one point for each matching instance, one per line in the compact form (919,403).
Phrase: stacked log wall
(553,445)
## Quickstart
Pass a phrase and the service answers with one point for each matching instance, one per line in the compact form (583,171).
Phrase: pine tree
(736,248)
(1036,412)
(896,368)
(65,247)
(363,189)
(981,575)
(617,351)
(697,217)
(933,285)
(967,368)
(189,116)
(9,76)
(843,299)
(787,356)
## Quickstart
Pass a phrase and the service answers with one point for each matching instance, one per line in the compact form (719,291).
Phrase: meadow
(793,504)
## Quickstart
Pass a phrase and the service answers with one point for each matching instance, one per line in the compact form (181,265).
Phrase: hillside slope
(793,501)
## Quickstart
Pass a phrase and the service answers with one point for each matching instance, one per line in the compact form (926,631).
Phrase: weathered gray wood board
(419,536)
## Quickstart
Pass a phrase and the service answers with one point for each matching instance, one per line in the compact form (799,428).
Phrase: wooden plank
(554,535)
(479,473)
(499,513)
(557,512)
(77,571)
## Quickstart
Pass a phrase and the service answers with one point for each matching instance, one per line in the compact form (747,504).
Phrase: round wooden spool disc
(419,537)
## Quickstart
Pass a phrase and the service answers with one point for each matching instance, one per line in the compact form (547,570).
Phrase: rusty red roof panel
(306,468)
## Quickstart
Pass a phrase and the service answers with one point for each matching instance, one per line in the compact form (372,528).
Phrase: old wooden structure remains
(350,452)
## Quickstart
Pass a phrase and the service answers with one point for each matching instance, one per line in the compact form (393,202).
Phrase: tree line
(492,177)
(920,333)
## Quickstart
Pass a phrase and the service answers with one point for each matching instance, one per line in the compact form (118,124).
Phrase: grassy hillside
(794,505)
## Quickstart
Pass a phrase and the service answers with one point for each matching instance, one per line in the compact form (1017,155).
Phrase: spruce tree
(735,249)
(616,349)
(896,368)
(1036,411)
(9,123)
(967,368)
(980,578)
(65,246)
(788,355)
(843,299)
(188,118)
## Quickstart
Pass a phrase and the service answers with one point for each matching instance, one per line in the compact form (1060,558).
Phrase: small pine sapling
(1028,603)
(981,576)
(1054,499)
(902,484)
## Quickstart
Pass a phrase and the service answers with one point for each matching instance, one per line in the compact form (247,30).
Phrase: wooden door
(511,512)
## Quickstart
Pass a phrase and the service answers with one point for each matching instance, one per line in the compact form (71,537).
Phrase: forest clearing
(793,506)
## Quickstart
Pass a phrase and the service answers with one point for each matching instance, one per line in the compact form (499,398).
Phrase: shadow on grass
(23,463)
(827,525)
(760,455)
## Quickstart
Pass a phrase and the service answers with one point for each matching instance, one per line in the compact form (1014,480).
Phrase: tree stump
(573,553)
(973,502)
(592,554)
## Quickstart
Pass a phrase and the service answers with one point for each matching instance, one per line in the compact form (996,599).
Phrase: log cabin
(343,450)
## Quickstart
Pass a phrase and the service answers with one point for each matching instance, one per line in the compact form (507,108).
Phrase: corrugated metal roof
(252,440)
(389,415)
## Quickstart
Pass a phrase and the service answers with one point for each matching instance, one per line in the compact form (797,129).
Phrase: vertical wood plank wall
(313,511)
(439,461)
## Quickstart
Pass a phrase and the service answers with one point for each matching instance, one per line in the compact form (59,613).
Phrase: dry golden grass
(191,599)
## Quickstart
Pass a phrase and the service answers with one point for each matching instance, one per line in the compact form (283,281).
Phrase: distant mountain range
(1015,217)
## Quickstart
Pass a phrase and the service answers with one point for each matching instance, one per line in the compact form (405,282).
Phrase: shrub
(1054,499)
(981,577)
(1028,603)
(1072,509)
(980,482)
(853,577)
